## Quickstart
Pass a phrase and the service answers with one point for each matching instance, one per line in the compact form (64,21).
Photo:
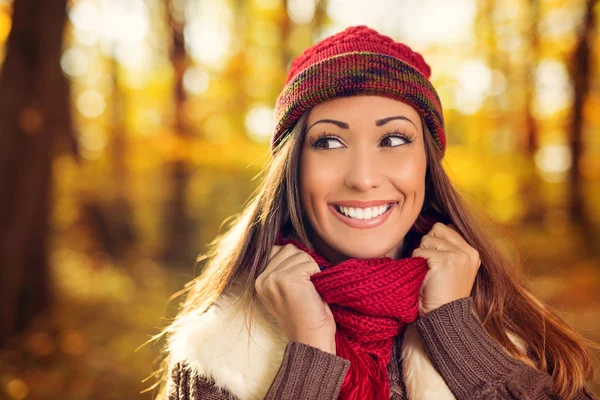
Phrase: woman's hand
(453,266)
(286,291)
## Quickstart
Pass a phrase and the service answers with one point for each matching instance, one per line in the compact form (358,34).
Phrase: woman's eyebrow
(379,122)
(341,124)
(384,121)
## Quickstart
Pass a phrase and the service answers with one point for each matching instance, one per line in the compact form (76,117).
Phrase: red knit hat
(356,61)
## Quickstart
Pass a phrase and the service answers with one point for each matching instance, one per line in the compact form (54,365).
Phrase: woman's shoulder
(239,348)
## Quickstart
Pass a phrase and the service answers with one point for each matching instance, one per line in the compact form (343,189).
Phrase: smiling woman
(363,163)
(356,271)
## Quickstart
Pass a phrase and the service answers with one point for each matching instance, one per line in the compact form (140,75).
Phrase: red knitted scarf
(372,301)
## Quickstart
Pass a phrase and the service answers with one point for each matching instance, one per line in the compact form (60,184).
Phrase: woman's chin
(367,253)
(363,248)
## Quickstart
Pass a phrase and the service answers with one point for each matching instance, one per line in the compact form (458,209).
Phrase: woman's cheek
(318,175)
(408,172)
(313,184)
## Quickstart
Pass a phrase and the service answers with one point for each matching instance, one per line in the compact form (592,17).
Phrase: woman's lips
(363,204)
(362,223)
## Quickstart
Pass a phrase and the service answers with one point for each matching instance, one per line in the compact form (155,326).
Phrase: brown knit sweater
(471,363)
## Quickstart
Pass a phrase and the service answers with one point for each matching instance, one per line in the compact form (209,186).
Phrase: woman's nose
(364,172)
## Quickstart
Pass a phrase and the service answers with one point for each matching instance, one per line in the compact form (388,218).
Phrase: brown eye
(392,141)
(322,144)
(327,143)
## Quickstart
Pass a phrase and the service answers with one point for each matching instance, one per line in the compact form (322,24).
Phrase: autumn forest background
(131,129)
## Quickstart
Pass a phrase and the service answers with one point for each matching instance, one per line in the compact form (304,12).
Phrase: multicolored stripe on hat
(358,61)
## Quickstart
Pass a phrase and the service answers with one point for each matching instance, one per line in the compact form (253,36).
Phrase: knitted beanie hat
(357,61)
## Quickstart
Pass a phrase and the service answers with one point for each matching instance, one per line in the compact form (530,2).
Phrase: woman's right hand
(285,289)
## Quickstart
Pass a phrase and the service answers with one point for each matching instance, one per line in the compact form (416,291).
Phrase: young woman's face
(362,176)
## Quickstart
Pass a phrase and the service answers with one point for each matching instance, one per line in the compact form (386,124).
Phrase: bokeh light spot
(259,123)
(553,161)
(553,90)
(301,11)
(17,389)
(74,62)
(195,80)
(91,104)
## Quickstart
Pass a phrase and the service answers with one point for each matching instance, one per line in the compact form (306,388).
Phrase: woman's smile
(363,215)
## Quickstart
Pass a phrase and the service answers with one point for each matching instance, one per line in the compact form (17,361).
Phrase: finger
(293,261)
(445,232)
(467,248)
(437,243)
(453,228)
(303,268)
(283,253)
(459,241)
(270,266)
(428,254)
(274,251)
(424,253)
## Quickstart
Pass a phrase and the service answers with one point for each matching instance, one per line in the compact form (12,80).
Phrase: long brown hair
(500,297)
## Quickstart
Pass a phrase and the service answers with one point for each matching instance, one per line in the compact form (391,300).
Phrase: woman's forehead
(360,109)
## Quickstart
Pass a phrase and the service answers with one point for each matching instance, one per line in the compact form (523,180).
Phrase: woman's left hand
(453,266)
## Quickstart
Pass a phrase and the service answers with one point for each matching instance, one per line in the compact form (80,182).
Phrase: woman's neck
(335,257)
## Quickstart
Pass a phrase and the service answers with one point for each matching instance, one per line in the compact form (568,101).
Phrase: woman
(357,271)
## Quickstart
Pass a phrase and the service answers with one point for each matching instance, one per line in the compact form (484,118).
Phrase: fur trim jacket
(444,355)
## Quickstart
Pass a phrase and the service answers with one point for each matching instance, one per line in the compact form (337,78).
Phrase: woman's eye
(328,143)
(392,141)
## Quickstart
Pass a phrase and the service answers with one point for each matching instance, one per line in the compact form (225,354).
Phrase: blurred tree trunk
(123,226)
(178,226)
(34,118)
(286,29)
(580,69)
(531,189)
(179,60)
(320,18)
(531,144)
(111,222)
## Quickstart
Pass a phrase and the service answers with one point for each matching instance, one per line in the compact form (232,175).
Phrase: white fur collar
(217,344)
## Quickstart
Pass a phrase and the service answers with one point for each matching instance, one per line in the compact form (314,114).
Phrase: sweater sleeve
(473,365)
(306,373)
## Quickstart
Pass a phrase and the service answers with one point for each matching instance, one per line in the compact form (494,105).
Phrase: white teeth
(363,213)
